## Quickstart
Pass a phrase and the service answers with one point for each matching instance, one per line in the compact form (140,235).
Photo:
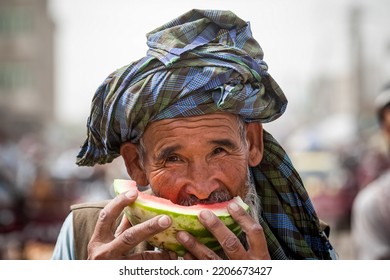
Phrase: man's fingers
(196,249)
(254,232)
(138,233)
(108,215)
(124,224)
(228,240)
(230,243)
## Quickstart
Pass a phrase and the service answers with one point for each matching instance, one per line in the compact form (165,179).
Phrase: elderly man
(187,121)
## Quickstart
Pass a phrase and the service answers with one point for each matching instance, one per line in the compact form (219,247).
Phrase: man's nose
(201,181)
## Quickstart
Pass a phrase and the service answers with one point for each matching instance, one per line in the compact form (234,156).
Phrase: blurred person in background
(187,120)
(371,209)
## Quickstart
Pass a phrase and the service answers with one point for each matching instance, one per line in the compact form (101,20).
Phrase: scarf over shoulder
(207,61)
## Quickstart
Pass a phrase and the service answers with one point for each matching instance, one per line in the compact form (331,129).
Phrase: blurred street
(330,58)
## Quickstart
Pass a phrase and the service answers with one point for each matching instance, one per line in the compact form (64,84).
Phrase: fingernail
(233,206)
(205,214)
(182,236)
(164,221)
(131,193)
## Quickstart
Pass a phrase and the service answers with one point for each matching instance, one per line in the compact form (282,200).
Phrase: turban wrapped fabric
(199,63)
(202,62)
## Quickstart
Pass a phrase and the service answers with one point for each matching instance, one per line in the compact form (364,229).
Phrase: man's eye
(173,158)
(218,150)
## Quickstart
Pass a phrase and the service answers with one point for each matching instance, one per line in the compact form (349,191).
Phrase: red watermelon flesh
(184,218)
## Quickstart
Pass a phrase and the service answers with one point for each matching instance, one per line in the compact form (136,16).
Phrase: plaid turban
(199,63)
(202,62)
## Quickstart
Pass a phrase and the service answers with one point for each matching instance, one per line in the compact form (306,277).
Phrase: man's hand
(105,244)
(231,245)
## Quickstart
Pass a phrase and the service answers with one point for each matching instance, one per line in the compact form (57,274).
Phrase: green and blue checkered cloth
(207,61)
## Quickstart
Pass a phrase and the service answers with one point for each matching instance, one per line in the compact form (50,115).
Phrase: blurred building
(26,66)
(26,107)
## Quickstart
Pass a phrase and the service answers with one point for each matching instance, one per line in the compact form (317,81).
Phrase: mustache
(214,197)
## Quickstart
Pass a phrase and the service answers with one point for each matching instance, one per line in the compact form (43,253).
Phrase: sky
(301,39)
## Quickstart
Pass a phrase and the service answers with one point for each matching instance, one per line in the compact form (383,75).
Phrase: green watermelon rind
(166,240)
(195,228)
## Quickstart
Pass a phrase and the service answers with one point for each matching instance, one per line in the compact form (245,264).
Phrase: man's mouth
(215,197)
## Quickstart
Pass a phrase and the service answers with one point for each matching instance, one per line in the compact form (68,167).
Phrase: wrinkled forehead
(208,122)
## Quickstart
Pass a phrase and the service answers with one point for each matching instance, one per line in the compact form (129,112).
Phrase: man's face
(200,159)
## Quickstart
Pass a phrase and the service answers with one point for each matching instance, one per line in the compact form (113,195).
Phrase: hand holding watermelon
(105,244)
(230,243)
(191,231)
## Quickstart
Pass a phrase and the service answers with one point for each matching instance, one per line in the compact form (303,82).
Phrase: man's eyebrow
(166,151)
(224,143)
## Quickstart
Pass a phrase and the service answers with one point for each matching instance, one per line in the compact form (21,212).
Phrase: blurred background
(330,58)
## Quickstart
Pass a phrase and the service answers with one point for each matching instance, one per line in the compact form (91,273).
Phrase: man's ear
(254,136)
(131,157)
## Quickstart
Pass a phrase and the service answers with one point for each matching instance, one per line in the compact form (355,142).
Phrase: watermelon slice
(184,218)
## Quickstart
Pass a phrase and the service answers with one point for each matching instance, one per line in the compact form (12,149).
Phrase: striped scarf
(202,62)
